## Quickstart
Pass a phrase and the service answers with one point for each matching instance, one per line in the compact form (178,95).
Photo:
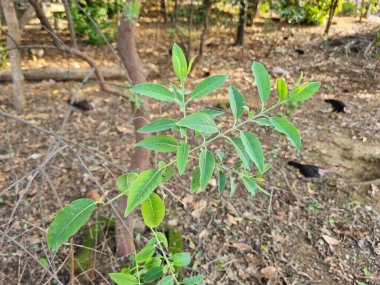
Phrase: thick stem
(70,23)
(141,157)
(240,30)
(13,40)
(252,6)
(333,6)
(207,5)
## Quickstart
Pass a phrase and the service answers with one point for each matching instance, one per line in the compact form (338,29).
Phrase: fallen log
(76,74)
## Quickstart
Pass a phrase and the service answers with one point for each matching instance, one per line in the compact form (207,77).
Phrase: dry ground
(234,240)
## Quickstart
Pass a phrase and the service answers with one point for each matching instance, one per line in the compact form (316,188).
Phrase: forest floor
(322,232)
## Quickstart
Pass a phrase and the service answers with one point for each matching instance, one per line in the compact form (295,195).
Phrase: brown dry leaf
(268,272)
(232,219)
(240,246)
(123,129)
(188,201)
(203,234)
(93,195)
(330,240)
(198,208)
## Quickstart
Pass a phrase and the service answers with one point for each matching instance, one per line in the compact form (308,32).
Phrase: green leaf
(181,259)
(282,89)
(237,102)
(153,274)
(179,63)
(44,261)
(195,180)
(253,148)
(304,91)
(262,80)
(153,210)
(178,94)
(264,122)
(284,126)
(190,65)
(199,122)
(299,80)
(250,184)
(211,112)
(142,187)
(162,238)
(156,91)
(145,253)
(182,157)
(124,181)
(158,125)
(123,279)
(206,167)
(208,85)
(68,222)
(221,182)
(168,280)
(193,280)
(168,171)
(153,262)
(239,148)
(162,143)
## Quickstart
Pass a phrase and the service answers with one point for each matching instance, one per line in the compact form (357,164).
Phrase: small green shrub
(193,136)
(349,8)
(3,55)
(302,11)
(103,13)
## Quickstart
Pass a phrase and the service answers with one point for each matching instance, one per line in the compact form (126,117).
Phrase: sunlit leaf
(211,112)
(153,210)
(124,181)
(262,80)
(208,85)
(156,91)
(163,143)
(199,122)
(161,124)
(123,279)
(181,259)
(179,63)
(142,187)
(284,126)
(304,91)
(145,253)
(282,89)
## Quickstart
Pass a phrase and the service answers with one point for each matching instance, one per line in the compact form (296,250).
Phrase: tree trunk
(361,11)
(140,157)
(13,40)
(163,11)
(252,6)
(333,6)
(190,20)
(240,30)
(75,74)
(207,5)
(175,12)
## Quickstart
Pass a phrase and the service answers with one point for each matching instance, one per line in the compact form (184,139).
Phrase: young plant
(154,261)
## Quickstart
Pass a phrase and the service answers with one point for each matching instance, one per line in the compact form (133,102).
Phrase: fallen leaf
(330,240)
(93,195)
(240,246)
(268,272)
(198,208)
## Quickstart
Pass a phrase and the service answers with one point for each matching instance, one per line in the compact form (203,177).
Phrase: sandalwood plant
(189,138)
